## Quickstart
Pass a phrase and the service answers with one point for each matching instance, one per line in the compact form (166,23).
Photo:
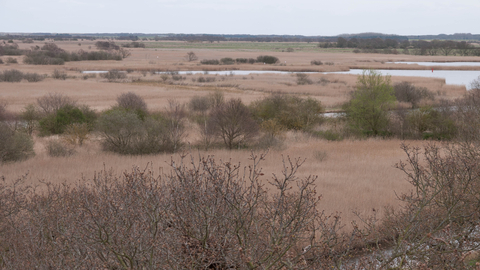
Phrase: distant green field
(249,46)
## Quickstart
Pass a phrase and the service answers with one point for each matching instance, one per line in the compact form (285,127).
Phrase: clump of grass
(320,155)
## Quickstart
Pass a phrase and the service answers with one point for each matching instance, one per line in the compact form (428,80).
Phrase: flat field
(352,174)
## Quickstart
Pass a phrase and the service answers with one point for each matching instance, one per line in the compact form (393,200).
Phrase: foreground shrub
(14,145)
(200,215)
(438,226)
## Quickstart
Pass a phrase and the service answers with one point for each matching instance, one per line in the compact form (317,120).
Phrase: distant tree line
(417,47)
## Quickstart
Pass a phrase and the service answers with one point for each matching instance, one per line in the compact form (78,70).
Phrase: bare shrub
(199,104)
(52,102)
(11,75)
(175,129)
(14,145)
(178,77)
(76,133)
(132,101)
(407,92)
(303,79)
(164,77)
(113,75)
(467,116)
(200,215)
(233,123)
(191,56)
(316,62)
(59,75)
(438,225)
(216,98)
(56,148)
(33,77)
(11,60)
(31,116)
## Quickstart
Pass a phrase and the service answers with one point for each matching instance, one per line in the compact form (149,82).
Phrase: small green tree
(367,111)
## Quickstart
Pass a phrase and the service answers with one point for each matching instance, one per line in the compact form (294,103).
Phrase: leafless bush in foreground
(202,215)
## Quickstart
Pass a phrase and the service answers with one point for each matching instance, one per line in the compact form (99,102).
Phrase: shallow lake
(458,77)
(233,72)
(444,64)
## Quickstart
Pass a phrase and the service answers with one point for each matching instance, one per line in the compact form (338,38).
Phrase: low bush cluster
(51,54)
(134,44)
(267,59)
(113,75)
(230,61)
(210,62)
(13,75)
(11,49)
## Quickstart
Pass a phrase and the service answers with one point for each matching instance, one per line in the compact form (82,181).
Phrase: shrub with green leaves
(57,122)
(367,110)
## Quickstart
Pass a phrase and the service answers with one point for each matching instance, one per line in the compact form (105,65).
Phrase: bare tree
(52,102)
(175,126)
(233,123)
(191,56)
(131,101)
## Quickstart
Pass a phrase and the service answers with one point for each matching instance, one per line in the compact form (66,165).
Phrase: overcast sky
(299,17)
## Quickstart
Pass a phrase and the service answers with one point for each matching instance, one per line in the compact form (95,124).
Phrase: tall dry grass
(352,174)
